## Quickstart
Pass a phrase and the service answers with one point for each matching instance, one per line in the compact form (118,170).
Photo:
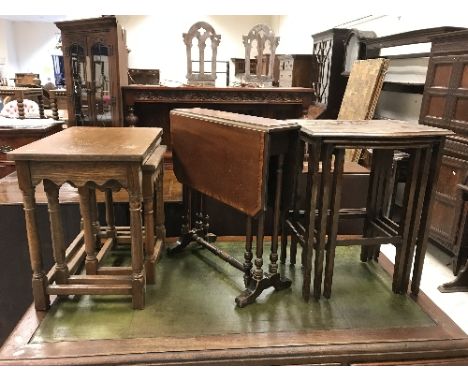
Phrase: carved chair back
(263,36)
(202,31)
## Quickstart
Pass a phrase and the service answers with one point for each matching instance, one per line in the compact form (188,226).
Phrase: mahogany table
(327,141)
(91,158)
(244,162)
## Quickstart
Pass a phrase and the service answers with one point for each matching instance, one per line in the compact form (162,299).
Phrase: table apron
(80,173)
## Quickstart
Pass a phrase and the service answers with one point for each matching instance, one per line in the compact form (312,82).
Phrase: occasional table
(244,162)
(327,141)
(91,158)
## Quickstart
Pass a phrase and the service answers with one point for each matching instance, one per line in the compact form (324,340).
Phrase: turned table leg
(91,262)
(56,229)
(40,102)
(54,108)
(110,216)
(138,277)
(20,104)
(248,252)
(159,200)
(149,219)
(95,217)
(273,267)
(39,278)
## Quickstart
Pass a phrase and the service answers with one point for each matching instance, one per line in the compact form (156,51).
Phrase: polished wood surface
(231,151)
(392,129)
(92,143)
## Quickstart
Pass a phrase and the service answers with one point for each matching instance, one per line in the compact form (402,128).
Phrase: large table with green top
(190,318)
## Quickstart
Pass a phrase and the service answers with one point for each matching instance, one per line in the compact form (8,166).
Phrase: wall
(35,44)
(156,41)
(8,61)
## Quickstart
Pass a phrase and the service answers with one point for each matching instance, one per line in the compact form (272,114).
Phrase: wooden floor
(11,194)
(191,318)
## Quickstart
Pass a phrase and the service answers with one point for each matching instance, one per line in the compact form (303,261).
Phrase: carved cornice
(241,96)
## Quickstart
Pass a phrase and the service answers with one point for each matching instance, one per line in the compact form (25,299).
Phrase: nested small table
(91,158)
(327,141)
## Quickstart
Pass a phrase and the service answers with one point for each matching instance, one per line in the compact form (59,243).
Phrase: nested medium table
(327,141)
(91,158)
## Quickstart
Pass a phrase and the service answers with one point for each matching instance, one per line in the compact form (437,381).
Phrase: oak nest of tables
(91,158)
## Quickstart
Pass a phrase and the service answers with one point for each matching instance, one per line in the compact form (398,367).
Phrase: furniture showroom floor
(438,270)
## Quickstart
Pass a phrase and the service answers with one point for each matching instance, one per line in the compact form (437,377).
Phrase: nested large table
(244,162)
(327,141)
(88,158)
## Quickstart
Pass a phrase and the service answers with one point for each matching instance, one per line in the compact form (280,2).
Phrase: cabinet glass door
(79,84)
(101,100)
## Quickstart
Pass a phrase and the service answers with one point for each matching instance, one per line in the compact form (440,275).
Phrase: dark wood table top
(236,120)
(368,129)
(92,144)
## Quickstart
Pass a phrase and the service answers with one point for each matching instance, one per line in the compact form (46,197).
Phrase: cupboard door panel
(447,204)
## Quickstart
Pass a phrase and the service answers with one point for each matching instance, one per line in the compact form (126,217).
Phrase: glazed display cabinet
(96,65)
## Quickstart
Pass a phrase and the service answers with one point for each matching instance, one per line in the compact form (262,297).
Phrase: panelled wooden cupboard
(445,104)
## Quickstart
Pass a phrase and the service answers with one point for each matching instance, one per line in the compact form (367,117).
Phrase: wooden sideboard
(147,105)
